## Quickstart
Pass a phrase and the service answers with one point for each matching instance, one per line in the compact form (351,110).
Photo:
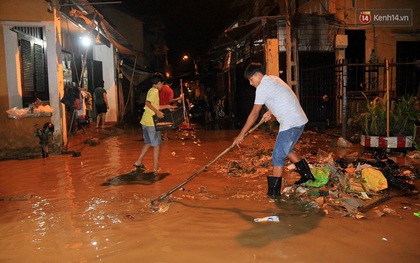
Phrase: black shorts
(101,108)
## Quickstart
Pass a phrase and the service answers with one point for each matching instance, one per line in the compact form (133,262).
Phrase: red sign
(365,17)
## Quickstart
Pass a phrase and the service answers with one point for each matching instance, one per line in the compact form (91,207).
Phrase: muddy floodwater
(96,208)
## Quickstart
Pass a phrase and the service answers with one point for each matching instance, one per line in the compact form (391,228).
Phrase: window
(33,64)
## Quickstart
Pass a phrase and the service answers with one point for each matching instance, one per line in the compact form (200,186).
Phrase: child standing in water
(152,137)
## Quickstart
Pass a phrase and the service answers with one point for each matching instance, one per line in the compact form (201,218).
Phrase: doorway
(355,54)
(408,68)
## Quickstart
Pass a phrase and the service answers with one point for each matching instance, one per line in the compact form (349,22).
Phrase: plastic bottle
(267,219)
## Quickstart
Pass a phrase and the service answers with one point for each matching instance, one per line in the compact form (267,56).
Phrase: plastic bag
(375,180)
(16,113)
(43,109)
(321,175)
(343,143)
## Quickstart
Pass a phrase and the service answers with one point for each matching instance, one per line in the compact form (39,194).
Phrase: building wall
(17,133)
(381,38)
(130,27)
(106,55)
(25,10)
(31,10)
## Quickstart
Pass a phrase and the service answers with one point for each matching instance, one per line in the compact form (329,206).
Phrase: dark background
(191,25)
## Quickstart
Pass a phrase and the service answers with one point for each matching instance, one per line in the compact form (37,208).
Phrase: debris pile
(254,162)
(354,186)
(347,186)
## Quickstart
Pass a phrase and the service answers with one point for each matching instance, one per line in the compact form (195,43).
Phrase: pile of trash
(349,186)
(352,187)
(254,162)
(38,108)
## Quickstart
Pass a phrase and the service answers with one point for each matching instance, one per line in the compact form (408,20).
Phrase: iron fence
(334,95)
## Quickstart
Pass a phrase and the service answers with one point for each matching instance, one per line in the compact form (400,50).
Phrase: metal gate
(333,95)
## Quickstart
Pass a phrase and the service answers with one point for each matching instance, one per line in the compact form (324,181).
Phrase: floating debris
(267,219)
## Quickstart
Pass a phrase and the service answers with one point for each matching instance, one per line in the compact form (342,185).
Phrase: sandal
(140,166)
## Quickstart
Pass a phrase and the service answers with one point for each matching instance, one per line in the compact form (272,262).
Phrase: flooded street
(96,208)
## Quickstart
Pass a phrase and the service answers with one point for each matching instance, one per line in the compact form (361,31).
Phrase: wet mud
(97,207)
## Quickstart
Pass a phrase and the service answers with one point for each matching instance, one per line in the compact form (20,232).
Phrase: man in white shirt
(281,102)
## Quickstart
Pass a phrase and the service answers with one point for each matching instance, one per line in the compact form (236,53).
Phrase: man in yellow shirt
(152,137)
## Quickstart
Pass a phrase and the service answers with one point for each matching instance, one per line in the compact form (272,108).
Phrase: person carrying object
(281,102)
(152,137)
(166,98)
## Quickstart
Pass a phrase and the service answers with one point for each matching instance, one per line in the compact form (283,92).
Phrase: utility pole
(292,61)
(271,52)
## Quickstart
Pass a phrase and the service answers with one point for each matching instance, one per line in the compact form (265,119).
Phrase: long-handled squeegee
(155,202)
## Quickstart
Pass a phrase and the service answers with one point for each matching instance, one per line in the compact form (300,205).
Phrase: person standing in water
(152,137)
(281,102)
(101,104)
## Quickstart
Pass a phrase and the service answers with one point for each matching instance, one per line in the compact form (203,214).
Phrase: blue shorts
(285,143)
(151,135)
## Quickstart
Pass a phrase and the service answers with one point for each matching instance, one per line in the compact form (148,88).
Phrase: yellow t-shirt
(153,97)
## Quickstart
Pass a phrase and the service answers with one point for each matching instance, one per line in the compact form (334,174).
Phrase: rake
(155,202)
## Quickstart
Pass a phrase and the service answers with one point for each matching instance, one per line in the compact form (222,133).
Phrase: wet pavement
(96,207)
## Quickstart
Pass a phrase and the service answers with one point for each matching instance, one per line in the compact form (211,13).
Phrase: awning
(90,16)
(139,75)
(231,36)
(235,35)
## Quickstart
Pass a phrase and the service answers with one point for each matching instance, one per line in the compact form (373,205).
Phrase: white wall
(13,70)
(106,55)
(14,85)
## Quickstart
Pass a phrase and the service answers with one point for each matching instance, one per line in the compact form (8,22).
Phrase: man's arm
(162,107)
(177,99)
(252,117)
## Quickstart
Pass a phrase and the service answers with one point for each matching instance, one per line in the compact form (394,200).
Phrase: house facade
(326,51)
(30,28)
(42,55)
(376,47)
(385,27)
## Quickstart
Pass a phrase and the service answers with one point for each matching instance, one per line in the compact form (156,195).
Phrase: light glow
(86,41)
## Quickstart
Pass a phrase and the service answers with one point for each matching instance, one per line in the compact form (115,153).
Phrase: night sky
(191,25)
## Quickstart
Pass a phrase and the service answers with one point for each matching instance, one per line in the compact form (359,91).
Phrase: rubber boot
(274,186)
(303,169)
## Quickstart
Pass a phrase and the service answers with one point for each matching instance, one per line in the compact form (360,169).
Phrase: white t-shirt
(281,101)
